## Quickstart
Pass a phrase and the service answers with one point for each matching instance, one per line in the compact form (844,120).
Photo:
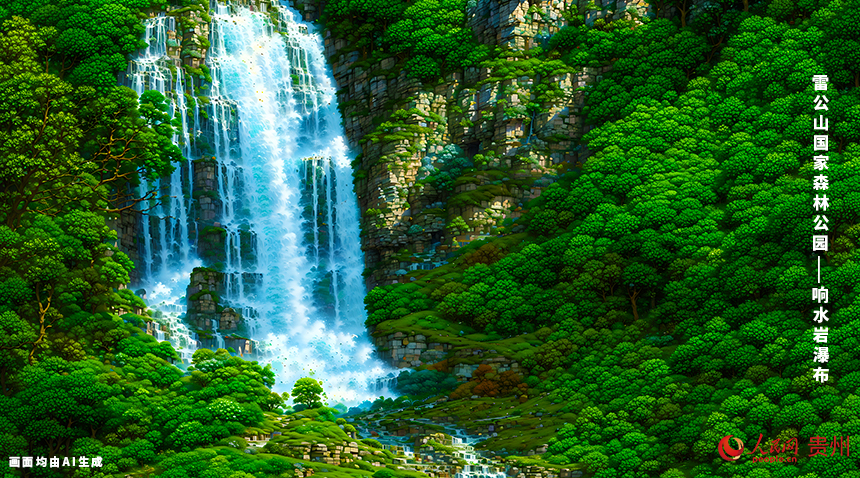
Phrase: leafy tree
(77,145)
(458,225)
(839,50)
(308,392)
(273,402)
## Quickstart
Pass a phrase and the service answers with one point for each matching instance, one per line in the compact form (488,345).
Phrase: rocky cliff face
(207,315)
(485,114)
(414,350)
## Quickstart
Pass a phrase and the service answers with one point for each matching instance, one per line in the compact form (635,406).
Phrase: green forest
(657,296)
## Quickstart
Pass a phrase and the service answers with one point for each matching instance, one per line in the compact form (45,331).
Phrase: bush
(425,382)
(372,443)
(423,68)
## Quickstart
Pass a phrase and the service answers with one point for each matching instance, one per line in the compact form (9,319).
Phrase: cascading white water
(474,467)
(219,339)
(280,153)
(167,256)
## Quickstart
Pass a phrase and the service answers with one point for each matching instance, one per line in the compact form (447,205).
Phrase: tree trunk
(43,329)
(683,12)
(633,303)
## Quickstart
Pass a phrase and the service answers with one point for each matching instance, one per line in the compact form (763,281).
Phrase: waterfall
(219,339)
(167,255)
(293,260)
(474,468)
(147,238)
(178,205)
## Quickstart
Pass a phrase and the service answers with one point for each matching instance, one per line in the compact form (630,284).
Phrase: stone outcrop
(469,109)
(208,203)
(205,313)
(203,302)
(152,328)
(404,350)
(534,471)
(341,454)
(127,227)
(203,297)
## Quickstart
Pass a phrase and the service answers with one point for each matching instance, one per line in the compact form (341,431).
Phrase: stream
(477,465)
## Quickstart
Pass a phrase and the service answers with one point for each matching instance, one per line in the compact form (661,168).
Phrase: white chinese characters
(820,242)
(54,462)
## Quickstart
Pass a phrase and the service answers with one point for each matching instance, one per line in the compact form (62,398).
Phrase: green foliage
(458,225)
(394,302)
(423,67)
(384,474)
(65,144)
(372,443)
(651,61)
(425,382)
(307,391)
(443,168)
(90,37)
(433,34)
(666,279)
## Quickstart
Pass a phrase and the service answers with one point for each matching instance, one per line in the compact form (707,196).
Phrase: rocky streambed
(444,451)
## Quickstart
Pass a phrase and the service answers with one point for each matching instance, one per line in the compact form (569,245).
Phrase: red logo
(727,452)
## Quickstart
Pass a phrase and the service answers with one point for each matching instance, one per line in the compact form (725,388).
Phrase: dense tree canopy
(666,280)
(672,270)
(65,144)
(431,35)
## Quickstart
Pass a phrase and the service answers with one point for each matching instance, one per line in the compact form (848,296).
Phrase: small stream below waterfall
(477,465)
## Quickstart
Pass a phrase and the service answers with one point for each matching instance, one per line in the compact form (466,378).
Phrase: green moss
(214,230)
(372,443)
(484,192)
(435,211)
(376,212)
(215,297)
(441,448)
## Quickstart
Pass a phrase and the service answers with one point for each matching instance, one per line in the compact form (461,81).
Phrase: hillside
(586,229)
